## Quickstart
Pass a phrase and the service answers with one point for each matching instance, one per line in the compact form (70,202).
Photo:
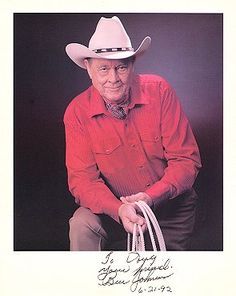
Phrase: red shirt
(153,150)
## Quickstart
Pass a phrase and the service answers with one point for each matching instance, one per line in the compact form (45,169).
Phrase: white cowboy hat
(109,41)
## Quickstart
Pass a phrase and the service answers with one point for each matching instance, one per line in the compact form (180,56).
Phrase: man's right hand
(129,217)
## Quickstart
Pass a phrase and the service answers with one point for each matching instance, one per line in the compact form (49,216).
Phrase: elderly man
(127,139)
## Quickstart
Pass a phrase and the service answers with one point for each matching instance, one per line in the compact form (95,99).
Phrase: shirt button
(141,166)
(133,145)
(107,151)
(148,185)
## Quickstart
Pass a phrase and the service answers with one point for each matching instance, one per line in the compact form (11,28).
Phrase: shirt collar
(97,105)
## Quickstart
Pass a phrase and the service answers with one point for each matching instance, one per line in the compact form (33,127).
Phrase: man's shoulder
(152,79)
(81,101)
(153,83)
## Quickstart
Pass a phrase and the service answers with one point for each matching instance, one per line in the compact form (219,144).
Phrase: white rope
(146,216)
(141,245)
(134,241)
(156,226)
(138,243)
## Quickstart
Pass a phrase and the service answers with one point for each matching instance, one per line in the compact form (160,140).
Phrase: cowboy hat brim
(78,52)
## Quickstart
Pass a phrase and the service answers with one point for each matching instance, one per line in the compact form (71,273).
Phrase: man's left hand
(136,197)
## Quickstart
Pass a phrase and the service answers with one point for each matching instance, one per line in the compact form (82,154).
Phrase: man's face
(112,78)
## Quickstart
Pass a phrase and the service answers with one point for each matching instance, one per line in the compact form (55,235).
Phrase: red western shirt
(153,150)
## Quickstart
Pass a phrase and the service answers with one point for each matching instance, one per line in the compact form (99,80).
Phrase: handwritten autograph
(135,271)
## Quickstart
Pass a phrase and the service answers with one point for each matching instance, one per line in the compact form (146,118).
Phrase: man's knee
(84,219)
(86,231)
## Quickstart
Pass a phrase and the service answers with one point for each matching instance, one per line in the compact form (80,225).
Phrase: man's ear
(87,65)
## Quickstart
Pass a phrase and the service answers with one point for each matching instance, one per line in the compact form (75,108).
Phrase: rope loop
(138,243)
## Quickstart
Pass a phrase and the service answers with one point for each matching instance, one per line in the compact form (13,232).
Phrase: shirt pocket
(109,155)
(152,144)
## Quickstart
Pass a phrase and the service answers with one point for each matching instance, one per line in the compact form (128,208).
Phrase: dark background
(186,49)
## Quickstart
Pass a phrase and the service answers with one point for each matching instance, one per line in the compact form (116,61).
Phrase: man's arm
(180,151)
(85,182)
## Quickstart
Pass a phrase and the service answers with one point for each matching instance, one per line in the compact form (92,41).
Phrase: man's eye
(103,69)
(122,68)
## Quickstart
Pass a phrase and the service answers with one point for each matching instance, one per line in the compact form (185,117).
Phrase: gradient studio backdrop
(186,49)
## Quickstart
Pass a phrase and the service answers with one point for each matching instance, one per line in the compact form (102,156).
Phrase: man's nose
(113,76)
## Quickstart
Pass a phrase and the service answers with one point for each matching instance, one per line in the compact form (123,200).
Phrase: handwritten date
(155,289)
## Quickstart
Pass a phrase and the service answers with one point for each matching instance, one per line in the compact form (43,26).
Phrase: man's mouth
(114,88)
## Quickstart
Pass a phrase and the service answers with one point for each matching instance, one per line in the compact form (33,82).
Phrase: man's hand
(129,217)
(136,197)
